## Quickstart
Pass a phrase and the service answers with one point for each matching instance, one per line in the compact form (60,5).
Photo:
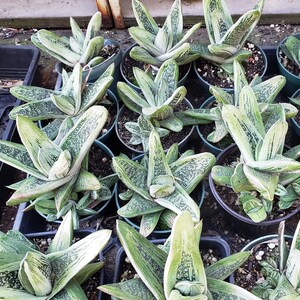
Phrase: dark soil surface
(214,75)
(289,64)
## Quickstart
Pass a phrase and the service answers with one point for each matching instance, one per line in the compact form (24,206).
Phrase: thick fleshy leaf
(133,289)
(219,133)
(139,250)
(190,170)
(148,223)
(176,54)
(226,266)
(88,271)
(31,93)
(72,291)
(132,174)
(172,123)
(239,181)
(184,268)
(264,183)
(284,290)
(140,54)
(222,175)
(76,32)
(86,181)
(293,46)
(143,17)
(220,95)
(13,294)
(93,29)
(93,49)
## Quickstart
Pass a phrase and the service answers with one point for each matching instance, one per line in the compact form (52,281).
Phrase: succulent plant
(291,48)
(79,48)
(56,170)
(281,270)
(175,270)
(265,169)
(227,39)
(27,273)
(74,98)
(159,185)
(156,44)
(265,92)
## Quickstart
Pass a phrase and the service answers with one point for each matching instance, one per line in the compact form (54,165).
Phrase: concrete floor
(56,13)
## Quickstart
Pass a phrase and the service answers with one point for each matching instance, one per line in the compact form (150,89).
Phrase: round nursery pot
(199,192)
(97,70)
(232,151)
(292,80)
(207,244)
(128,63)
(124,135)
(211,147)
(228,84)
(78,234)
(295,121)
(26,221)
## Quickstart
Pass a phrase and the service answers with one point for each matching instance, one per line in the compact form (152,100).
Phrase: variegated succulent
(58,170)
(27,273)
(159,185)
(64,106)
(265,93)
(291,48)
(227,39)
(156,44)
(265,169)
(281,270)
(156,103)
(78,48)
(175,270)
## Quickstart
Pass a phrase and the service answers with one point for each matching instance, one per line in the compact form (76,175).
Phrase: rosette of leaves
(291,48)
(227,39)
(74,98)
(281,270)
(57,169)
(265,169)
(159,185)
(175,270)
(156,44)
(265,93)
(27,273)
(78,48)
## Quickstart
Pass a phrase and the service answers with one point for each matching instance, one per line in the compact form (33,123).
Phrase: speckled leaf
(86,182)
(172,154)
(274,113)
(222,290)
(143,17)
(92,50)
(140,54)
(177,54)
(180,201)
(76,32)
(139,250)
(72,291)
(31,93)
(220,95)
(138,206)
(13,294)
(219,133)
(222,175)
(284,290)
(148,223)
(184,264)
(239,181)
(190,170)
(253,207)
(293,45)
(9,272)
(93,29)
(133,289)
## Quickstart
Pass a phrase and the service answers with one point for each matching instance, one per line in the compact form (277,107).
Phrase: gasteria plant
(64,106)
(265,92)
(156,44)
(175,270)
(159,185)
(27,273)
(265,169)
(57,169)
(291,48)
(157,101)
(281,270)
(79,48)
(227,39)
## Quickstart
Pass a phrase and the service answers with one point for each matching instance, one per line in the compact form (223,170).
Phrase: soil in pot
(130,116)
(214,75)
(288,64)
(231,198)
(130,63)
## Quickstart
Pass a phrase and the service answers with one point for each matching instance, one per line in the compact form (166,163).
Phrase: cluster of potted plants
(158,183)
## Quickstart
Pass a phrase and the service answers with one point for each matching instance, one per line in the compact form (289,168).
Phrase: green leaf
(143,17)
(190,170)
(140,54)
(226,266)
(239,181)
(220,95)
(219,133)
(88,271)
(13,294)
(72,291)
(93,49)
(293,46)
(92,30)
(172,123)
(177,54)
(31,93)
(222,175)
(149,222)
(76,31)
(86,181)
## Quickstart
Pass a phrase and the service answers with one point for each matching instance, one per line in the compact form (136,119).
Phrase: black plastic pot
(126,55)
(32,221)
(131,151)
(292,81)
(205,84)
(205,243)
(82,233)
(97,71)
(295,125)
(199,193)
(241,220)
